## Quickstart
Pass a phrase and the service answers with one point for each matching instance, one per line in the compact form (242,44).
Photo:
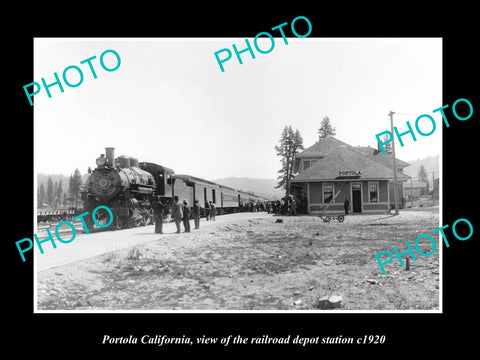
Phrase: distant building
(414,189)
(330,171)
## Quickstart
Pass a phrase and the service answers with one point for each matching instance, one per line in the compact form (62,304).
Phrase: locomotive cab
(163,178)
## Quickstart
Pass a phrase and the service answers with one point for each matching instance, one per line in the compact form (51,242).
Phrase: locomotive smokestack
(110,154)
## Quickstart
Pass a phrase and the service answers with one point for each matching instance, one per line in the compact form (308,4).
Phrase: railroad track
(42,228)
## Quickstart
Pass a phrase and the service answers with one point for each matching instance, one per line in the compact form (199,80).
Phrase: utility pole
(433,185)
(394,164)
(411,192)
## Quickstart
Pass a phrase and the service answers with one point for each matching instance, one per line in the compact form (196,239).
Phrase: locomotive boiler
(120,184)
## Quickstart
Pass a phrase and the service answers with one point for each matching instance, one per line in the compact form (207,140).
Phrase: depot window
(308,163)
(327,193)
(373,191)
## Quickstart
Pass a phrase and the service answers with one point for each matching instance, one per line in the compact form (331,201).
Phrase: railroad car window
(169,179)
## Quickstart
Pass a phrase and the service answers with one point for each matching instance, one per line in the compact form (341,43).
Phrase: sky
(169,103)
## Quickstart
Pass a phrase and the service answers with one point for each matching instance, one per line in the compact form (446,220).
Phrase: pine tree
(55,199)
(290,144)
(326,128)
(75,185)
(58,193)
(422,174)
(41,196)
(50,192)
(71,195)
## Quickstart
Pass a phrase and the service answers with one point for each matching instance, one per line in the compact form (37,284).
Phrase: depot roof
(378,156)
(321,148)
(346,160)
(326,145)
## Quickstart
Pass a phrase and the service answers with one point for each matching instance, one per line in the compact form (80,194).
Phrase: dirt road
(85,246)
(252,262)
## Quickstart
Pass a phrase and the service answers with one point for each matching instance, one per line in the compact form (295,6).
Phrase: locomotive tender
(128,188)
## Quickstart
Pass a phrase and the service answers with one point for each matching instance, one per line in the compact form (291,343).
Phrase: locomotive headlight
(100,161)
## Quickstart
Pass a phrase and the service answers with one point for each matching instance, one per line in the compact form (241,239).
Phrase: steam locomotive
(128,188)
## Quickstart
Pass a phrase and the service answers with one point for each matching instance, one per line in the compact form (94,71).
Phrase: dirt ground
(257,264)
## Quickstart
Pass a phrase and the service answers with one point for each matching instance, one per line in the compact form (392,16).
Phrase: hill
(261,187)
(431,164)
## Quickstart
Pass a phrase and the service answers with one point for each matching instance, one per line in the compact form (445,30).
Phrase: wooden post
(394,165)
(411,191)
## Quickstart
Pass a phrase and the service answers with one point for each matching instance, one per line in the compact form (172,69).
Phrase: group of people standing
(210,210)
(286,206)
(181,212)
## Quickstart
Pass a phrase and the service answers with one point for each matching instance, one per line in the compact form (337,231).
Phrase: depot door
(356,197)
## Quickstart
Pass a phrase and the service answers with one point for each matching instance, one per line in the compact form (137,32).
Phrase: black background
(407,335)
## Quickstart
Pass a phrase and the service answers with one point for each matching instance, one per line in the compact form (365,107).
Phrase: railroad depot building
(330,171)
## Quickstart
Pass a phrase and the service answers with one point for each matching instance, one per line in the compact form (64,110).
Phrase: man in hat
(213,210)
(196,213)
(186,216)
(346,204)
(158,209)
(207,210)
(177,212)
(293,206)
